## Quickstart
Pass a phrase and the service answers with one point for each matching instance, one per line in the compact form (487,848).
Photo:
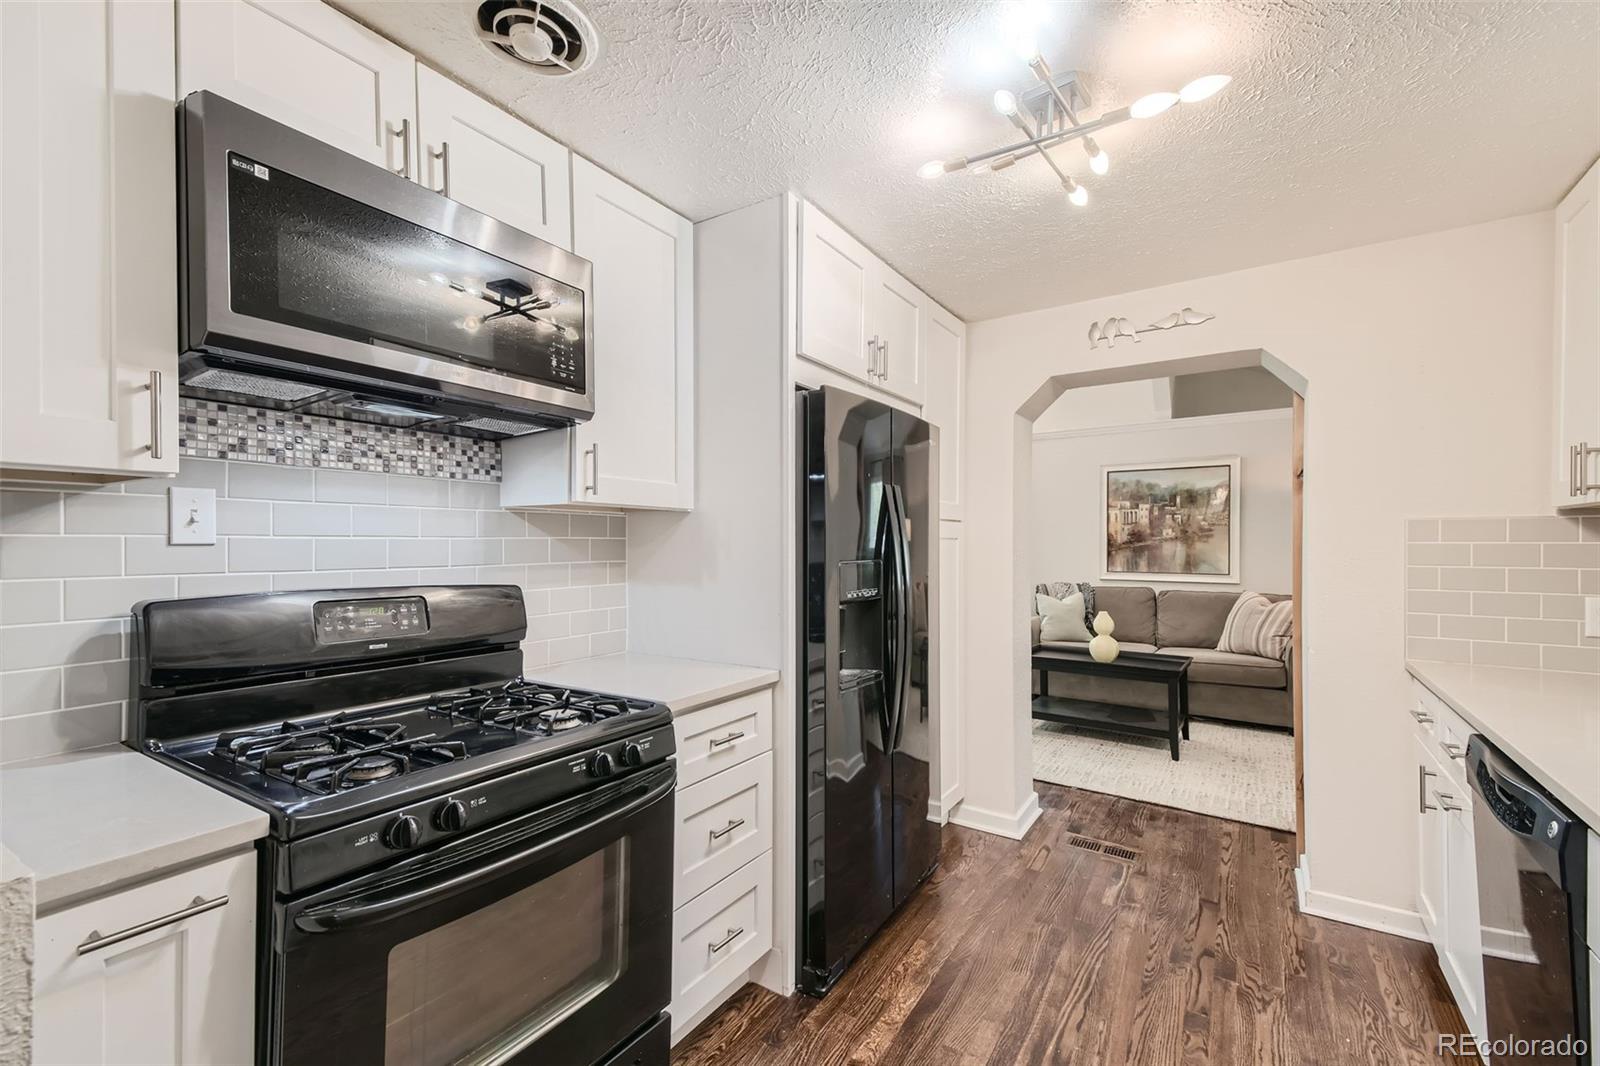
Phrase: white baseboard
(1014,825)
(1377,916)
(941,808)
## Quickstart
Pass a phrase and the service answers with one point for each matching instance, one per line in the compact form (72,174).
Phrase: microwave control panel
(338,621)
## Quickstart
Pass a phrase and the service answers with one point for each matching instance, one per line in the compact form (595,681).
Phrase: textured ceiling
(1345,124)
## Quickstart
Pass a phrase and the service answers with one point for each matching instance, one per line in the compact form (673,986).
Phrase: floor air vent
(1101,847)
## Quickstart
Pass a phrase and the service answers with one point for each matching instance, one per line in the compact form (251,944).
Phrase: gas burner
(336,754)
(530,707)
(296,748)
(559,721)
(373,768)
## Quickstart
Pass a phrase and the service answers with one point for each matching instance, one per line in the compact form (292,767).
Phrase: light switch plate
(1591,616)
(191,516)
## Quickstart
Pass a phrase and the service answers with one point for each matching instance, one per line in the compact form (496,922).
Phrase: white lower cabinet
(1447,870)
(160,972)
(722,880)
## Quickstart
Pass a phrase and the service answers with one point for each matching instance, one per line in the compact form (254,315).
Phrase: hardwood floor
(1041,952)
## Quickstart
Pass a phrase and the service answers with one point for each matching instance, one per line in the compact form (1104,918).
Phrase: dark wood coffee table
(1169,670)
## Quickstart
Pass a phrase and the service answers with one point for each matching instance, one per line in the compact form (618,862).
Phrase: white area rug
(1227,771)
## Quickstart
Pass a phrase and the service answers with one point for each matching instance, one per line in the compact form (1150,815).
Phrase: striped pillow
(1258,626)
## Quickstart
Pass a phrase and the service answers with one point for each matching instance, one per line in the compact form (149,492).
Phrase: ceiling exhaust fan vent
(553,37)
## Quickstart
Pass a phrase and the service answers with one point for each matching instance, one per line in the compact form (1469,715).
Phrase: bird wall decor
(1111,329)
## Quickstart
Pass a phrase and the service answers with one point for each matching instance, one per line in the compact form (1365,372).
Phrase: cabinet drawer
(719,935)
(723,823)
(714,738)
(1424,709)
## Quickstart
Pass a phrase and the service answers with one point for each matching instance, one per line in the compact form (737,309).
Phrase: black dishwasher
(1532,871)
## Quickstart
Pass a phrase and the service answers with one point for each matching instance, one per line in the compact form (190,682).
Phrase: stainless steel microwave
(315,281)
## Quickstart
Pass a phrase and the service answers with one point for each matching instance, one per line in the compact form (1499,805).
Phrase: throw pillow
(1258,626)
(1062,619)
(1062,589)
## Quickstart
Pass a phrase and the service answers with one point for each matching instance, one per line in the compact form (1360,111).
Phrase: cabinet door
(944,345)
(88,276)
(307,66)
(895,319)
(949,784)
(836,278)
(1577,336)
(1430,846)
(181,991)
(476,154)
(638,449)
(1462,955)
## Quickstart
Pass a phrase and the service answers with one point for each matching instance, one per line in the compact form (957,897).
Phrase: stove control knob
(404,832)
(451,817)
(632,754)
(601,765)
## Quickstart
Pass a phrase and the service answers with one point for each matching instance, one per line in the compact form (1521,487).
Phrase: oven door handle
(360,911)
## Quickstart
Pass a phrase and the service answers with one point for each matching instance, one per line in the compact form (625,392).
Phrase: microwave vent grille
(253,385)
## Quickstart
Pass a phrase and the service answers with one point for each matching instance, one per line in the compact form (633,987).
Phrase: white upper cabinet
(307,66)
(638,449)
(478,155)
(88,276)
(895,322)
(836,280)
(944,356)
(1577,347)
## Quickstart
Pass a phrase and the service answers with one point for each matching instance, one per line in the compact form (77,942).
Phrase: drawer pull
(718,834)
(1455,751)
(95,940)
(733,934)
(1423,806)
(1444,799)
(1423,717)
(729,739)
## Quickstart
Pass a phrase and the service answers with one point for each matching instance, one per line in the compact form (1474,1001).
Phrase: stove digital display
(351,620)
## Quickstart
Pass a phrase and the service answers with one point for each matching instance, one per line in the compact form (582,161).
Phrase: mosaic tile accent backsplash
(208,430)
(1502,591)
(75,558)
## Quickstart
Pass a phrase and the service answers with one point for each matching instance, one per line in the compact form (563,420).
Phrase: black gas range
(464,865)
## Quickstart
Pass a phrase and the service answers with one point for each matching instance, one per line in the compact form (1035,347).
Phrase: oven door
(546,938)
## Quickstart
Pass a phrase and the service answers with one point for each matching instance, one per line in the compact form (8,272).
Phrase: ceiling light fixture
(1048,114)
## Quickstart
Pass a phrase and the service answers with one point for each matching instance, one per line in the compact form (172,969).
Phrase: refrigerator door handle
(902,615)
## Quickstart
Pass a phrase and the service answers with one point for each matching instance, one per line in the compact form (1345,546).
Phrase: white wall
(1428,362)
(1126,403)
(1067,528)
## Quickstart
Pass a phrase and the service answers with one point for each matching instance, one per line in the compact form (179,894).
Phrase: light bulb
(931,169)
(1005,102)
(1099,162)
(1203,88)
(1078,195)
(1152,105)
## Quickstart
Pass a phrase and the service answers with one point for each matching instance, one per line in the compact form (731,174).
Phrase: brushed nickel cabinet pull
(443,156)
(96,940)
(1444,799)
(1455,751)
(1572,470)
(593,463)
(1423,773)
(883,360)
(1582,481)
(404,133)
(1423,717)
(155,414)
(729,739)
(733,934)
(718,834)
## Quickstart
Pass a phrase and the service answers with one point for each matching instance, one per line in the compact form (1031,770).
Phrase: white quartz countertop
(682,684)
(1547,721)
(91,821)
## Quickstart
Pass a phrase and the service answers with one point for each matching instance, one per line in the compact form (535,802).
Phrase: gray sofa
(1223,685)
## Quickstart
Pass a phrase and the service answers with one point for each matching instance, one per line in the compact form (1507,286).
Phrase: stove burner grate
(336,755)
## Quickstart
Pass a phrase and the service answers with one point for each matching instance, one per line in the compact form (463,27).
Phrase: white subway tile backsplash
(264,481)
(1524,576)
(29,601)
(106,512)
(435,523)
(153,555)
(1422,577)
(351,486)
(27,511)
(252,554)
(35,556)
(73,562)
(310,520)
(110,597)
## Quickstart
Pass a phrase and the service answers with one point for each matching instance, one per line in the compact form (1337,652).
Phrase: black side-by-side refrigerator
(868,548)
